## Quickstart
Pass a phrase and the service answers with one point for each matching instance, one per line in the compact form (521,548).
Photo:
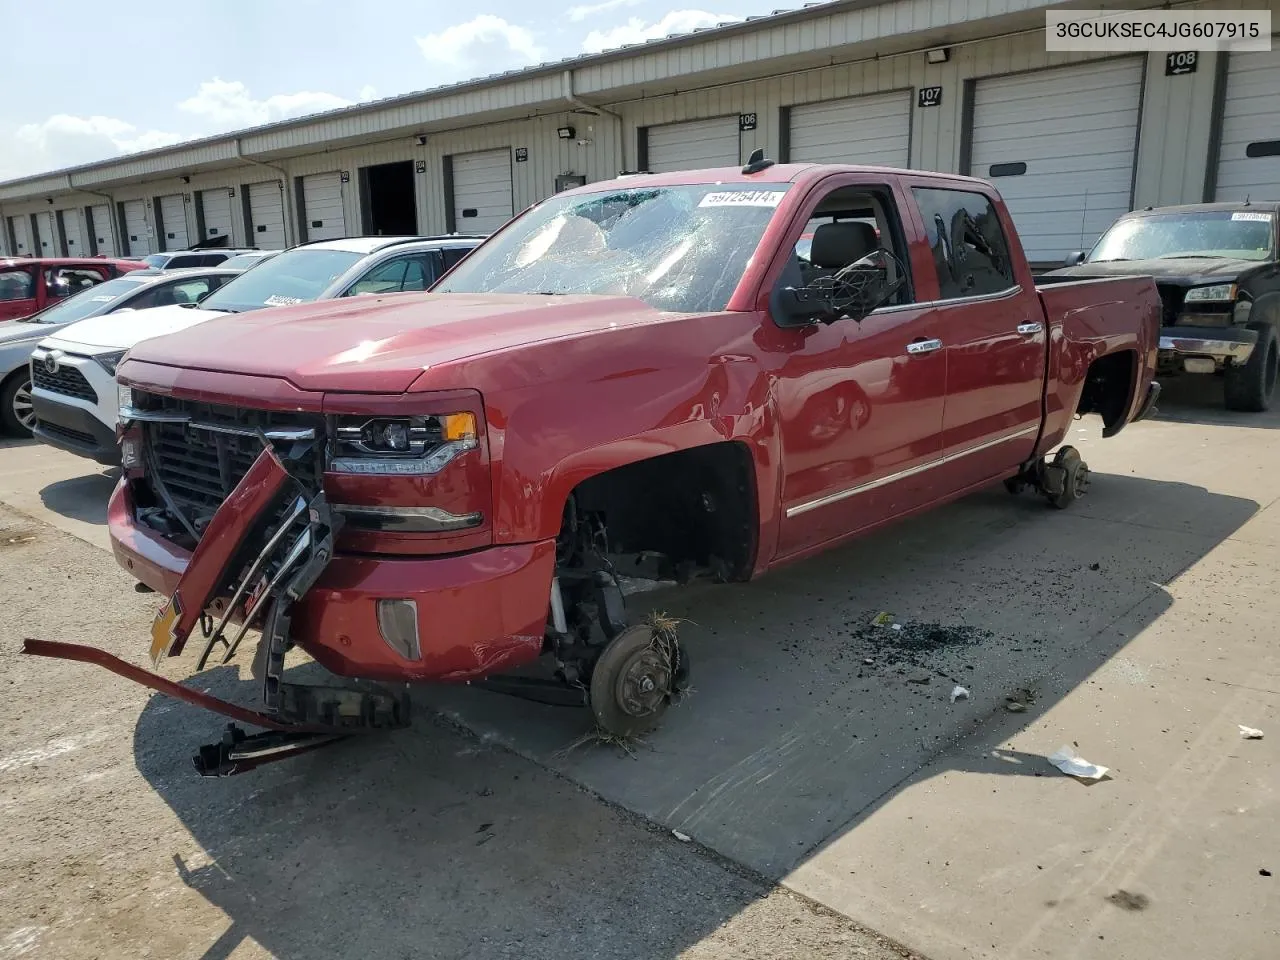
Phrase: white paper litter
(1249,733)
(682,837)
(1072,765)
(897,626)
(959,693)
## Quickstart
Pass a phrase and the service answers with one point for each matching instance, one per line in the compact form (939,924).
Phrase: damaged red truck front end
(631,385)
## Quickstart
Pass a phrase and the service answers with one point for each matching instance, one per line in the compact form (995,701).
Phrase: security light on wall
(938,55)
(566,133)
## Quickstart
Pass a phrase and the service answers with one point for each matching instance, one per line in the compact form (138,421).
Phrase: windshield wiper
(1193,256)
(1112,260)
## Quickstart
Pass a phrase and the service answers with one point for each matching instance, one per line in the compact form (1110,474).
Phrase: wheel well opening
(1108,387)
(694,509)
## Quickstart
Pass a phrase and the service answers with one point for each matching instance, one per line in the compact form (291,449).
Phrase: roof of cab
(65,261)
(776,173)
(1258,206)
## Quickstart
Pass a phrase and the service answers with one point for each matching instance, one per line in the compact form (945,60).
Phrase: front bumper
(74,429)
(478,613)
(1234,344)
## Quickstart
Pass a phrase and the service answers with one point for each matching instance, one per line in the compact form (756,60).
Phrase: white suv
(73,372)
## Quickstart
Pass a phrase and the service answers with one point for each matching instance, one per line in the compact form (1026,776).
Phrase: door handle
(1030,329)
(923,346)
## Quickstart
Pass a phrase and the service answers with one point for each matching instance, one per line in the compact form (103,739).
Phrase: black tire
(1249,388)
(622,709)
(15,405)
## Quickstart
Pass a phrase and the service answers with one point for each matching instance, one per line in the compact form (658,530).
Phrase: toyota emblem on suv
(51,362)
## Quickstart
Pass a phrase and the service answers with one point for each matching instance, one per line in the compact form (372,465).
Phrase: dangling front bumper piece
(258,555)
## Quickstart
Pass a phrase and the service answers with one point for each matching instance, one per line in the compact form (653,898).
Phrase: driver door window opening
(849,224)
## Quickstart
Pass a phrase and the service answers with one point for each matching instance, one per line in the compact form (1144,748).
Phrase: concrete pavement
(826,754)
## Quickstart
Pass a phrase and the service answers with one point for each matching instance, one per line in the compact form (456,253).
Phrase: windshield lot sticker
(1256,217)
(742,198)
(101,299)
(275,300)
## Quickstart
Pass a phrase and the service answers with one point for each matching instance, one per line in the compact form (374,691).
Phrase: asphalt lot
(817,751)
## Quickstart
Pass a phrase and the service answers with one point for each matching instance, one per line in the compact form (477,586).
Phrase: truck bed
(1091,319)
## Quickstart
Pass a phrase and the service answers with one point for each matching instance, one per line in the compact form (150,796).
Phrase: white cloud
(636,30)
(577,14)
(64,140)
(228,104)
(367,92)
(487,43)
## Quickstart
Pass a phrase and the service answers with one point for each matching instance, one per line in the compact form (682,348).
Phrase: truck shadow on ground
(806,716)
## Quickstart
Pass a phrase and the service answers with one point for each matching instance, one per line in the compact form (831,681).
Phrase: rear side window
(970,251)
(16,285)
(67,281)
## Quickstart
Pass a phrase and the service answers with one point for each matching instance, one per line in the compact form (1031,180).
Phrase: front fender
(548,443)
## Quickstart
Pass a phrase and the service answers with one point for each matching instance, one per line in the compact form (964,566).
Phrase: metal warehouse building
(1071,140)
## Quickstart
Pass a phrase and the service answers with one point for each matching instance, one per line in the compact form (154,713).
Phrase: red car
(27,286)
(632,382)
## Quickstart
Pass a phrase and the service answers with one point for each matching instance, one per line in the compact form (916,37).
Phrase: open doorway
(387,203)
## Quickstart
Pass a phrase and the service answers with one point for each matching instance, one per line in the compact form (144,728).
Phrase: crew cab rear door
(859,402)
(992,327)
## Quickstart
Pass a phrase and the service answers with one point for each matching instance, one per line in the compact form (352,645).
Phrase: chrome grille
(199,463)
(65,380)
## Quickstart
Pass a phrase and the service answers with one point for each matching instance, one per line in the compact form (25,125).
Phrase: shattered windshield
(681,248)
(1220,234)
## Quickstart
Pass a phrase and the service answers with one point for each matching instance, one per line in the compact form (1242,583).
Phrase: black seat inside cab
(838,244)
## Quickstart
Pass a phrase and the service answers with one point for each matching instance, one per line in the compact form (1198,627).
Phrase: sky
(111,80)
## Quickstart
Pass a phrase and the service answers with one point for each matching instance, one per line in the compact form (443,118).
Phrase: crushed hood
(383,344)
(1189,272)
(123,328)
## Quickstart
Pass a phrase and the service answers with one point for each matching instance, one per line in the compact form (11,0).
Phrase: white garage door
(1249,155)
(1059,146)
(266,208)
(694,145)
(22,236)
(322,206)
(482,191)
(215,207)
(47,236)
(102,232)
(76,247)
(135,228)
(872,130)
(173,217)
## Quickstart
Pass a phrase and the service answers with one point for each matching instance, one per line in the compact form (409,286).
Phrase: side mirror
(851,293)
(1074,258)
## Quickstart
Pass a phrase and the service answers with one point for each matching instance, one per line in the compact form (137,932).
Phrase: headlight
(109,361)
(401,445)
(1218,293)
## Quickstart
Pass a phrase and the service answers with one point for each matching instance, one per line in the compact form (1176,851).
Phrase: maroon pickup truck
(636,382)
(27,286)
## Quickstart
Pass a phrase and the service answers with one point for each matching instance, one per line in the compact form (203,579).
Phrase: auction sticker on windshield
(1255,217)
(275,300)
(743,198)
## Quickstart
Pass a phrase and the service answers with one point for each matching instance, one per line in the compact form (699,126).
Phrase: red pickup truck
(27,286)
(633,382)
